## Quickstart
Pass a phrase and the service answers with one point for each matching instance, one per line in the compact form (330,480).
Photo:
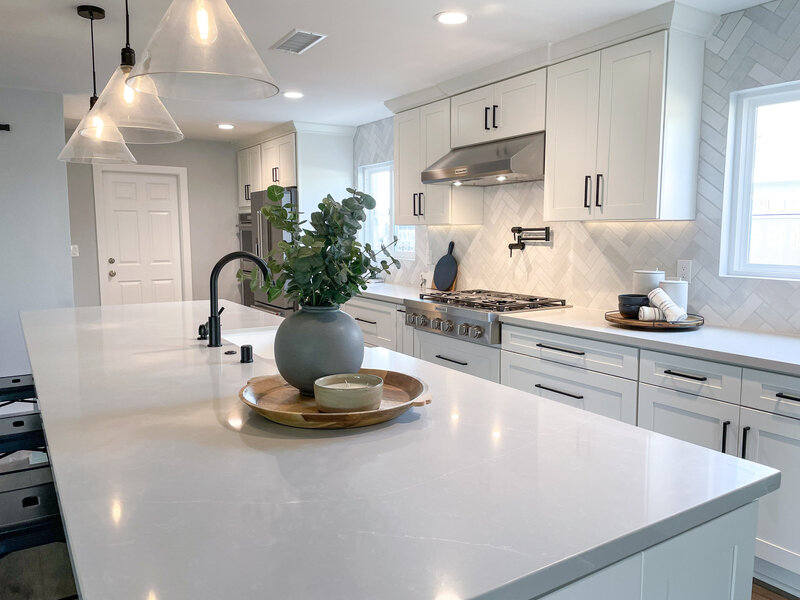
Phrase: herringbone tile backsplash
(590,263)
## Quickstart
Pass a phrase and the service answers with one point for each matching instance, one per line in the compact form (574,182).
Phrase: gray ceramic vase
(317,341)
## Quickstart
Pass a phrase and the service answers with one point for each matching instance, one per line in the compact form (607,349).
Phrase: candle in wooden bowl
(348,392)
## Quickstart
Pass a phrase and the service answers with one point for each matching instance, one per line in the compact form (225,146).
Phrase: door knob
(112,273)
(111,261)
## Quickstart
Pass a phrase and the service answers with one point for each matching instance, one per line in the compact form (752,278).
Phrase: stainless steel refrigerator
(265,238)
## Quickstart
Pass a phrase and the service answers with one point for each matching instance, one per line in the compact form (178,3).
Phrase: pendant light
(140,118)
(106,146)
(200,52)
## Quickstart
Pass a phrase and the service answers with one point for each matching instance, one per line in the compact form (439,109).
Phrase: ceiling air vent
(297,42)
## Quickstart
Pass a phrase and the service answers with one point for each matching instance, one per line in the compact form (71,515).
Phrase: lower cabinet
(690,418)
(774,440)
(405,333)
(378,321)
(481,361)
(599,393)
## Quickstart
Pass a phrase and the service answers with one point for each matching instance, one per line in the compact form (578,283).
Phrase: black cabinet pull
(725,435)
(419,204)
(277,173)
(555,391)
(597,191)
(685,375)
(586,184)
(452,360)
(486,118)
(365,321)
(247,191)
(414,204)
(744,441)
(575,352)
(787,396)
(494,115)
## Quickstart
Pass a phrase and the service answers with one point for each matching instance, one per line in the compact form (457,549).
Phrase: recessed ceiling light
(225,126)
(451,18)
(293,95)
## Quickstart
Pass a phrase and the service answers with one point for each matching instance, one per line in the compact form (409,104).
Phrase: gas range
(471,315)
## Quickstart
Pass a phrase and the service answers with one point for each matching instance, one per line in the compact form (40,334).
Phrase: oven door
(475,359)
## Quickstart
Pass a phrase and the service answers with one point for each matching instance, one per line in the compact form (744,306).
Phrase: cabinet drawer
(378,321)
(611,359)
(481,361)
(691,375)
(771,392)
(695,419)
(599,393)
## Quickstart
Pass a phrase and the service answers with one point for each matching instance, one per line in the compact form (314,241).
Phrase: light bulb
(501,178)
(129,95)
(97,125)
(204,30)
(456,183)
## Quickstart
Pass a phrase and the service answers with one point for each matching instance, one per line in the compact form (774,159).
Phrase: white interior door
(142,245)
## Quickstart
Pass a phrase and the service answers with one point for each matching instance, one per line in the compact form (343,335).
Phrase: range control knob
(411,318)
(447,326)
(463,329)
(436,323)
(422,320)
(475,331)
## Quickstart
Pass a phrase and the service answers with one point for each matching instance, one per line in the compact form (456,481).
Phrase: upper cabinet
(422,136)
(249,169)
(279,162)
(623,130)
(506,109)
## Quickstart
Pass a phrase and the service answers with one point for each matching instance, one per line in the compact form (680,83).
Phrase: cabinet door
(254,162)
(269,163)
(520,103)
(629,129)
(407,183)
(573,89)
(377,320)
(474,359)
(471,117)
(287,163)
(598,393)
(434,135)
(243,170)
(702,421)
(774,440)
(405,334)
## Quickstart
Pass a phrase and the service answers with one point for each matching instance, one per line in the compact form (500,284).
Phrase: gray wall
(589,264)
(35,270)
(211,172)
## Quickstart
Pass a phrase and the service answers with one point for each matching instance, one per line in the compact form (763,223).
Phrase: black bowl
(629,311)
(634,299)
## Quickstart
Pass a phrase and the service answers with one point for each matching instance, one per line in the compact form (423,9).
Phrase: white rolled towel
(650,313)
(672,312)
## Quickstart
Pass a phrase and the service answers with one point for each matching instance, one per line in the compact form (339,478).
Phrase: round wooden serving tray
(691,322)
(273,398)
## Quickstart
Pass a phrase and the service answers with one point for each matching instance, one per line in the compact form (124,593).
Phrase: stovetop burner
(492,301)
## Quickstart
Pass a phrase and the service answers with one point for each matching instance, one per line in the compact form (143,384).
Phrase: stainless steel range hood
(491,163)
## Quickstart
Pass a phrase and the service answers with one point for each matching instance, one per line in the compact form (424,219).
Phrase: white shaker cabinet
(421,137)
(505,109)
(630,117)
(702,421)
(378,321)
(248,162)
(279,162)
(475,359)
(774,440)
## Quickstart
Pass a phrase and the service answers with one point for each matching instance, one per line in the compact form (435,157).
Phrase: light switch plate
(685,270)
(73,250)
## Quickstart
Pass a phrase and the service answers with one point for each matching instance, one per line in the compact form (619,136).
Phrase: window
(761,217)
(378,181)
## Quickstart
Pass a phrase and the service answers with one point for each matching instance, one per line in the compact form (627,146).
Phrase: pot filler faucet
(214,326)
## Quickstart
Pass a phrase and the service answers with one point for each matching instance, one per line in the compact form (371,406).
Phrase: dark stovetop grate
(492,301)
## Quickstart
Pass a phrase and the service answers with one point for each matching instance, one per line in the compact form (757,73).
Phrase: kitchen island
(171,488)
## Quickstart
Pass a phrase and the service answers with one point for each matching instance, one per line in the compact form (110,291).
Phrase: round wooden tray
(691,322)
(273,398)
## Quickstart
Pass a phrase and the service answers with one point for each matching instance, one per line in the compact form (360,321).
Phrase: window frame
(737,196)
(367,231)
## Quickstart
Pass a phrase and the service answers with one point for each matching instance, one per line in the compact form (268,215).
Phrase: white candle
(346,385)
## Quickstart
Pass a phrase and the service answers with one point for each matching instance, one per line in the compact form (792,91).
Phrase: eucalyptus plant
(324,264)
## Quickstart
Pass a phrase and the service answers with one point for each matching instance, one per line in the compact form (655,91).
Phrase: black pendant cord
(93,99)
(127,55)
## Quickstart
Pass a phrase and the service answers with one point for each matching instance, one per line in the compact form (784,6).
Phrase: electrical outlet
(685,270)
(73,250)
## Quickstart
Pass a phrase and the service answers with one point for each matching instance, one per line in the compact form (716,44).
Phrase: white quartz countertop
(391,292)
(757,350)
(170,488)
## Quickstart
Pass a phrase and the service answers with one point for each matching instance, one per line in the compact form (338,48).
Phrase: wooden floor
(760,593)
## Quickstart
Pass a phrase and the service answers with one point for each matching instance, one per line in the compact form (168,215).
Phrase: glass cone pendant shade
(101,144)
(140,118)
(200,52)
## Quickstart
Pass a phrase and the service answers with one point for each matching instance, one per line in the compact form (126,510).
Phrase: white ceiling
(376,50)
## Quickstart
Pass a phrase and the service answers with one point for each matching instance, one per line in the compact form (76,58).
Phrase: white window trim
(362,170)
(737,206)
